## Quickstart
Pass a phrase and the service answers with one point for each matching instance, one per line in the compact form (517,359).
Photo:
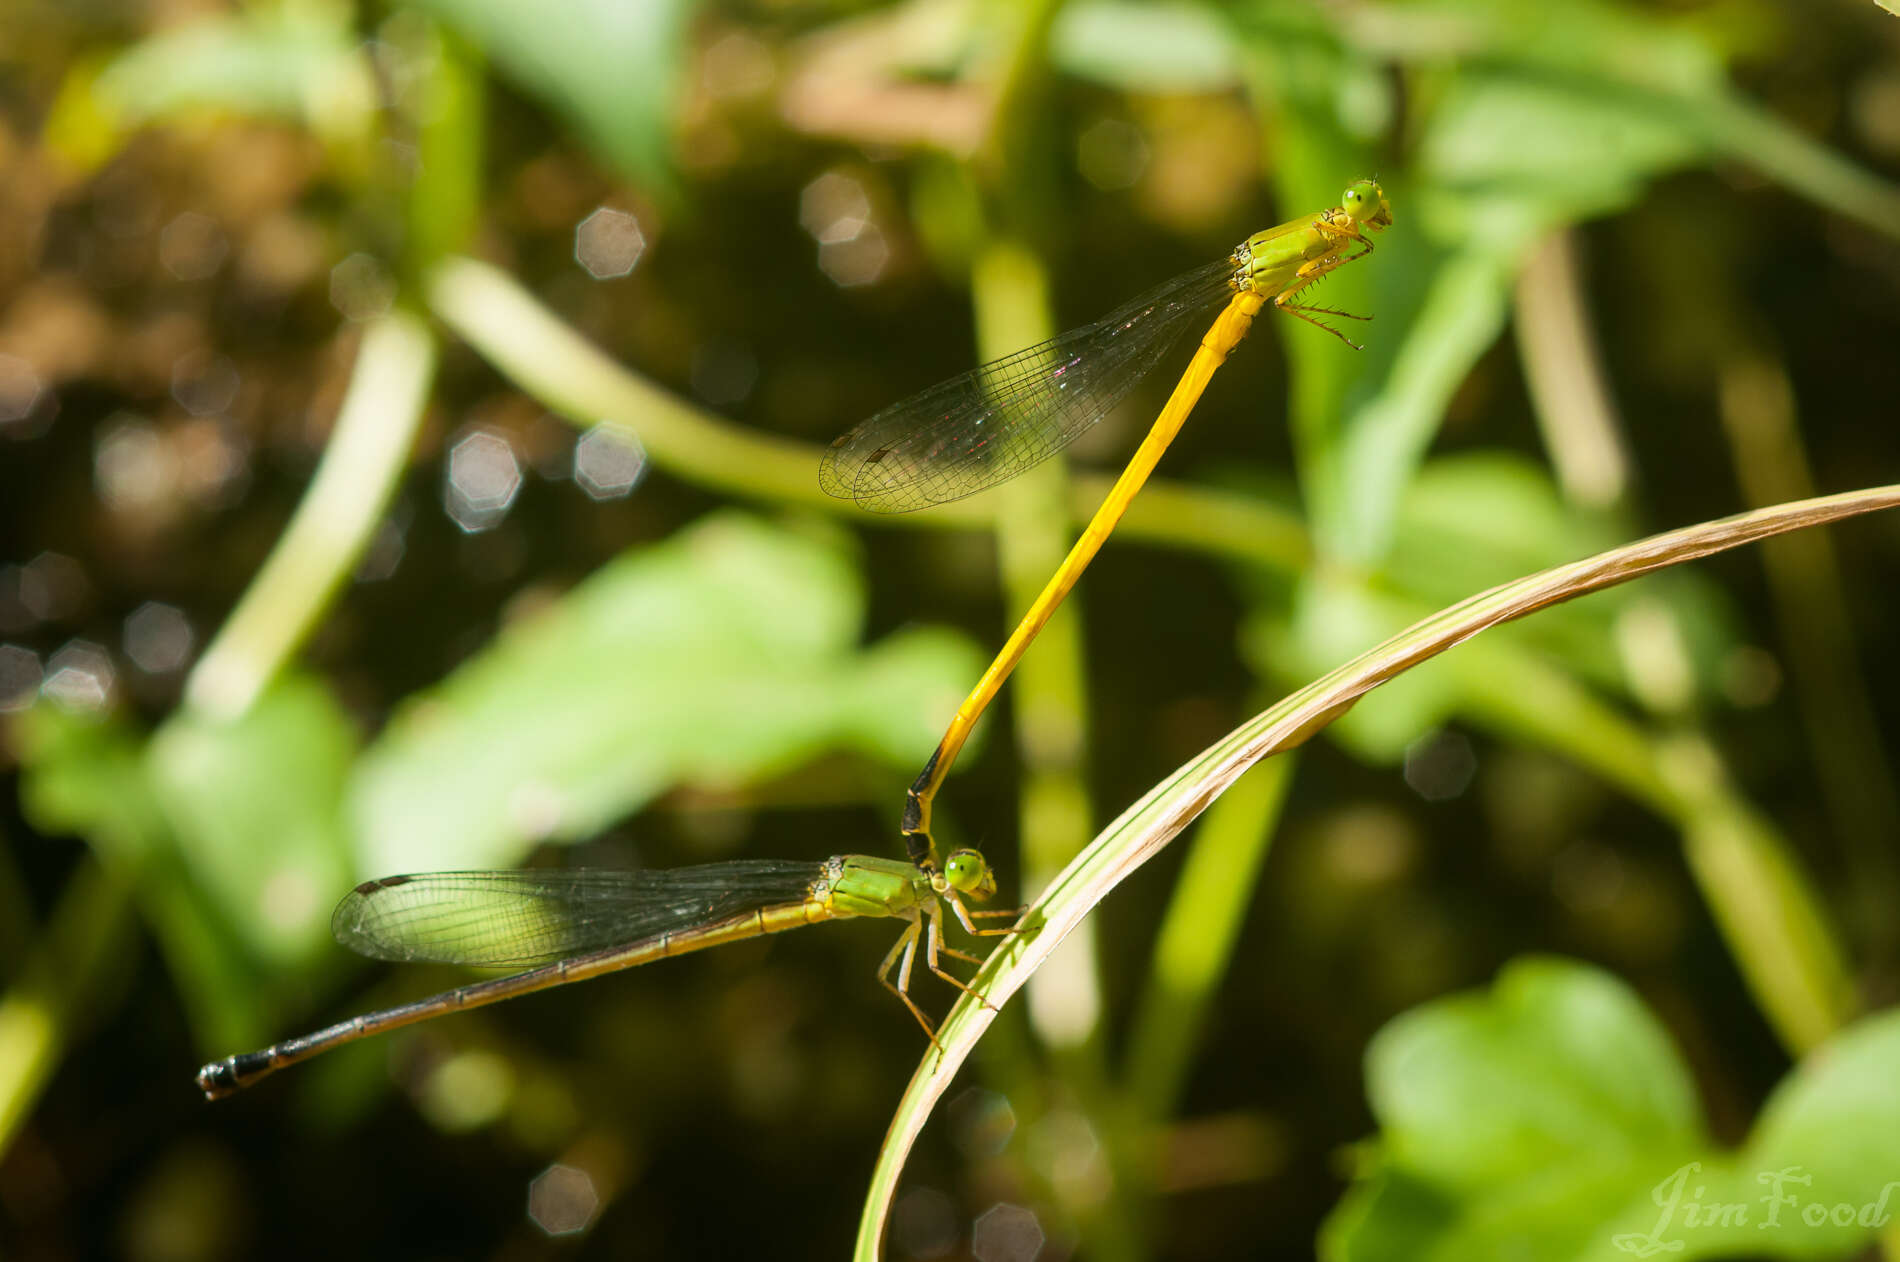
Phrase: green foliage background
(1642,275)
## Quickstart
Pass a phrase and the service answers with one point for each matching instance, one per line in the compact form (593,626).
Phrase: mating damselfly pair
(955,439)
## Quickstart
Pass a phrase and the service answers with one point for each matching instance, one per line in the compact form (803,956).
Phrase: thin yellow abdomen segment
(751,925)
(1222,336)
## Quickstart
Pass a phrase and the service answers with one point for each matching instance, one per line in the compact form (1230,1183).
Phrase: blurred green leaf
(89,775)
(253,804)
(1538,150)
(1837,1119)
(1484,518)
(1363,420)
(1385,1215)
(721,656)
(609,67)
(1145,47)
(1551,1118)
(1558,1065)
(1335,615)
(1530,116)
(1599,40)
(1386,431)
(301,62)
(1467,522)
(84,775)
(1616,87)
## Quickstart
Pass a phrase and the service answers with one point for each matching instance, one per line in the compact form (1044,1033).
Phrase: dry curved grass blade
(1170,806)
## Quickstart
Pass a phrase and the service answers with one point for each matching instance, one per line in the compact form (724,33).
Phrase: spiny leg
(944,948)
(906,946)
(1331,311)
(1015,925)
(1365,248)
(1284,302)
(1311,275)
(1318,324)
(1351,234)
(968,918)
(933,947)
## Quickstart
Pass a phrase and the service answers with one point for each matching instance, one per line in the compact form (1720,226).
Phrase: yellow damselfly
(992,423)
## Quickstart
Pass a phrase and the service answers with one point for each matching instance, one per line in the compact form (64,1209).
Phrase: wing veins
(538,916)
(989,424)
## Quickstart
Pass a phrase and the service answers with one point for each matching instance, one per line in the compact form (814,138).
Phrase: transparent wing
(537,917)
(992,423)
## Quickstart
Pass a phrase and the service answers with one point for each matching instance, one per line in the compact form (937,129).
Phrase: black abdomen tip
(219,1079)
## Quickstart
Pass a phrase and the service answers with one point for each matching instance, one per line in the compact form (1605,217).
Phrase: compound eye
(968,872)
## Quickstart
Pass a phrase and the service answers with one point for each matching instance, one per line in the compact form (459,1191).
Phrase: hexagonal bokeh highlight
(80,677)
(192,246)
(360,289)
(608,243)
(19,677)
(836,211)
(205,383)
(20,390)
(158,638)
(562,1200)
(609,462)
(1006,1233)
(480,481)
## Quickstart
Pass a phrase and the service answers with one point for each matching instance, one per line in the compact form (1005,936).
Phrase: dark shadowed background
(328,551)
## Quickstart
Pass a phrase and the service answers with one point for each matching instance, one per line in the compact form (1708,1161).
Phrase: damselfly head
(968,872)
(1364,201)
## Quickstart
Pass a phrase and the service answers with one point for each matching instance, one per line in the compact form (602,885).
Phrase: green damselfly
(581,923)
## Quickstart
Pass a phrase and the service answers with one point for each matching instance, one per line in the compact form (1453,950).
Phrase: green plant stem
(550,362)
(1763,903)
(1718,117)
(1746,133)
(1047,690)
(1198,936)
(90,930)
(17,928)
(443,208)
(1048,695)
(1010,144)
(1170,806)
(1563,367)
(1811,609)
(333,524)
(1357,468)
(1192,956)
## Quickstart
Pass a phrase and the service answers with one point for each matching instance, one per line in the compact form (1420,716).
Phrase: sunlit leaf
(1558,1064)
(301,63)
(91,777)
(1532,116)
(727,654)
(1833,1123)
(84,775)
(608,67)
(1145,48)
(253,803)
(1550,1117)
